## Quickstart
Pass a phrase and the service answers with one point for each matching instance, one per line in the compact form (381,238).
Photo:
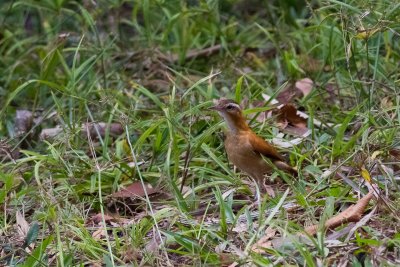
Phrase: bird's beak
(216,108)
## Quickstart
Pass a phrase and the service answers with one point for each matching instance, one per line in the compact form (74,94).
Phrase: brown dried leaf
(292,91)
(289,120)
(22,225)
(98,218)
(135,190)
(194,53)
(386,103)
(331,88)
(305,86)
(50,133)
(23,122)
(130,253)
(351,214)
(288,94)
(99,233)
(156,85)
(227,259)
(261,116)
(94,129)
(288,114)
(309,64)
(264,242)
(395,152)
(6,151)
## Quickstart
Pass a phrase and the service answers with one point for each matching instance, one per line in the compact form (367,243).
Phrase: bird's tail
(281,165)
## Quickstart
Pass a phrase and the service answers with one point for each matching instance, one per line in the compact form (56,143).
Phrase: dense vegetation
(97,96)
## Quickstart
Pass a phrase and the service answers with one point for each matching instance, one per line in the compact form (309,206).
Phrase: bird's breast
(242,155)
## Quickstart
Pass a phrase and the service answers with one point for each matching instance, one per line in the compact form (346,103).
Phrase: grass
(131,62)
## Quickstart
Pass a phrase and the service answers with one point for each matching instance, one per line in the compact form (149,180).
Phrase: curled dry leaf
(94,129)
(50,133)
(386,103)
(360,223)
(305,86)
(302,114)
(261,116)
(23,122)
(100,128)
(310,64)
(194,53)
(264,242)
(135,190)
(332,89)
(7,152)
(288,94)
(290,121)
(395,153)
(301,88)
(22,225)
(351,214)
(98,218)
(283,143)
(288,114)
(99,233)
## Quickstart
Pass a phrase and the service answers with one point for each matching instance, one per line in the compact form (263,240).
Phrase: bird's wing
(264,148)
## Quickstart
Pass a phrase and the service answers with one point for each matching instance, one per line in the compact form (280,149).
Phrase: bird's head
(232,113)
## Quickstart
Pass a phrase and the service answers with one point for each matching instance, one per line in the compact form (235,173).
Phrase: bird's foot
(268,189)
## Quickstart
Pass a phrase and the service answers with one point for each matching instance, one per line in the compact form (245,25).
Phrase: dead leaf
(331,88)
(289,114)
(194,53)
(22,225)
(260,116)
(301,88)
(23,122)
(264,242)
(99,233)
(6,151)
(94,129)
(98,218)
(305,86)
(365,174)
(130,253)
(156,85)
(50,133)
(386,103)
(135,190)
(395,152)
(100,128)
(284,143)
(227,259)
(289,120)
(310,64)
(351,214)
(360,223)
(288,94)
(338,234)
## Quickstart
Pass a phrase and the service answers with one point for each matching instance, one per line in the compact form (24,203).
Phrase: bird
(245,149)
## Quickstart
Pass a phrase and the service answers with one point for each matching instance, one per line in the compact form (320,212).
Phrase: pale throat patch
(229,121)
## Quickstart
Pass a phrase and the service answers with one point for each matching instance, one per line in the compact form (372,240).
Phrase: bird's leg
(265,188)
